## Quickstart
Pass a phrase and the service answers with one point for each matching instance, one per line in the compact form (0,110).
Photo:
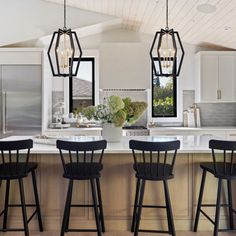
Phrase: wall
(124,62)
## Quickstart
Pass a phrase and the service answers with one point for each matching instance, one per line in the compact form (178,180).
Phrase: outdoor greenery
(163,100)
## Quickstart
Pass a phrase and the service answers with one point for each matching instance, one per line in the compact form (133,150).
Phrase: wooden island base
(118,190)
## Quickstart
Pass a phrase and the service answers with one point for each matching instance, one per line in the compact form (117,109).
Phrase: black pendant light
(63,48)
(167,52)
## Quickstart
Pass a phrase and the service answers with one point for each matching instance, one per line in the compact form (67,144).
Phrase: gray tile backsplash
(212,114)
(218,114)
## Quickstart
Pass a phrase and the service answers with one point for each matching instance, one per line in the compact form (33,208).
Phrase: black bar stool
(83,162)
(222,169)
(16,166)
(154,164)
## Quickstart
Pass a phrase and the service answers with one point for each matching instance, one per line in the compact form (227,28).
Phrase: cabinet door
(209,77)
(226,78)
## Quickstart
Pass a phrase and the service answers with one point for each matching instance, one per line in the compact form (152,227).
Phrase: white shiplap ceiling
(148,16)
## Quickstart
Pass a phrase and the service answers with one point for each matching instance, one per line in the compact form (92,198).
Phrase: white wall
(124,65)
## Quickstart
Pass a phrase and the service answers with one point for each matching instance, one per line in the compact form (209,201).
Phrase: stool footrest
(227,230)
(6,230)
(81,205)
(153,206)
(214,205)
(153,231)
(81,230)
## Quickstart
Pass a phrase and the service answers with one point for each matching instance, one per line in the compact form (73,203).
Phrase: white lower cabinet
(215,134)
(207,132)
(231,135)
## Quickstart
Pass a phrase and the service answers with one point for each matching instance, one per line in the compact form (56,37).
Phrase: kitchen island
(118,187)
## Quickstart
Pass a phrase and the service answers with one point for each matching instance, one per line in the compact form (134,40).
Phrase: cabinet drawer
(231,135)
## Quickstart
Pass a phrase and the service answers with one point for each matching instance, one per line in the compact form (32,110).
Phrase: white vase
(111,133)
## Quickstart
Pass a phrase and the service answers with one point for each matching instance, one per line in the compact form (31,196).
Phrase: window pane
(82,86)
(163,96)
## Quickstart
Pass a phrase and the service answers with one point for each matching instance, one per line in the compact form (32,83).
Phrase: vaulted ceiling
(148,16)
(24,20)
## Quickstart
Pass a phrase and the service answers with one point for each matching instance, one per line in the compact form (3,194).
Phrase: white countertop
(160,128)
(189,144)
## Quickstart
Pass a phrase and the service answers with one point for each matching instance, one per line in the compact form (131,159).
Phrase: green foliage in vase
(116,110)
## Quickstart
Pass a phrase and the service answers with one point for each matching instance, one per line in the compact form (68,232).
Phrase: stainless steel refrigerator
(20,100)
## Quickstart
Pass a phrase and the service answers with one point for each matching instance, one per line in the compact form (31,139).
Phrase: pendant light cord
(64,14)
(167,12)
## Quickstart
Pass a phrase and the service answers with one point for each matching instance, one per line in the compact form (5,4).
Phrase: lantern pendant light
(167,52)
(63,49)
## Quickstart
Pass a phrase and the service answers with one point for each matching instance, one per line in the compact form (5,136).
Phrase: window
(81,87)
(163,96)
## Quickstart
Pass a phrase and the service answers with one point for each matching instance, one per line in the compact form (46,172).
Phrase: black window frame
(174,95)
(91,59)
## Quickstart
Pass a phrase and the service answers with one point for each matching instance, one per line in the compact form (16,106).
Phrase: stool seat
(83,171)
(153,171)
(16,170)
(224,170)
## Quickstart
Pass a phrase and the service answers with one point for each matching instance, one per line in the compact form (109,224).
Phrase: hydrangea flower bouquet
(114,113)
(116,110)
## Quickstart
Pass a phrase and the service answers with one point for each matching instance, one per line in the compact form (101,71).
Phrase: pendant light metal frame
(74,44)
(175,37)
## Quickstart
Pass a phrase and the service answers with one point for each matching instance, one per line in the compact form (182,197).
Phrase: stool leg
(135,205)
(140,203)
(66,210)
(37,201)
(99,231)
(200,200)
(169,209)
(168,212)
(24,214)
(100,205)
(69,207)
(6,205)
(217,215)
(231,215)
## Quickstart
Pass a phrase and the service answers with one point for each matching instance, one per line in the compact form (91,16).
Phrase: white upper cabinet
(227,78)
(215,80)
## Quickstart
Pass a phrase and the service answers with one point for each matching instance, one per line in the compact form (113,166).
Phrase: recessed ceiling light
(206,8)
(227,28)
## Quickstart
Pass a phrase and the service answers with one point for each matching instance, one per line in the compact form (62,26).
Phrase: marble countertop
(189,144)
